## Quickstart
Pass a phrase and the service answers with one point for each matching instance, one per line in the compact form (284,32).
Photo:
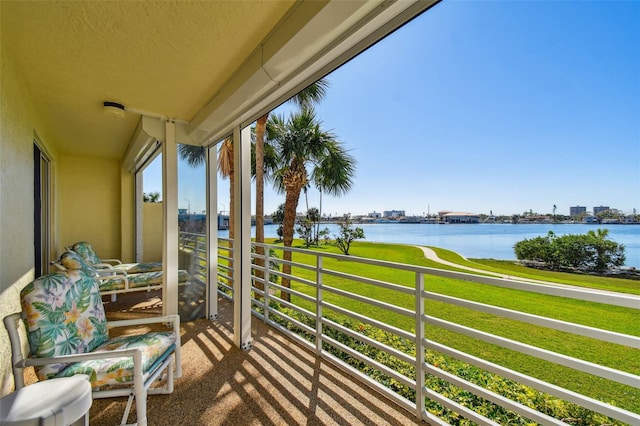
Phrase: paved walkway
(432,255)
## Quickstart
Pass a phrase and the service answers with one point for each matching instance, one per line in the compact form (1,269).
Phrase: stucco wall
(89,190)
(18,124)
(152,232)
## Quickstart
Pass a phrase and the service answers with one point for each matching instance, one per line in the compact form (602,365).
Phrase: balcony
(326,357)
(277,382)
(298,369)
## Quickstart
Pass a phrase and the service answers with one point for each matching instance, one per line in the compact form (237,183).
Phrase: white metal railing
(319,300)
(311,304)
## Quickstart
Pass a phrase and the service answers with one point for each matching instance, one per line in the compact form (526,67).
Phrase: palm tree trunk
(260,129)
(288,223)
(319,219)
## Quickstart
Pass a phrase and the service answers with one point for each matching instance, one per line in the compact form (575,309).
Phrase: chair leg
(127,409)
(83,421)
(141,407)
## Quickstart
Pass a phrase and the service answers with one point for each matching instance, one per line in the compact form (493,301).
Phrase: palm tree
(151,197)
(306,98)
(225,168)
(300,143)
(195,156)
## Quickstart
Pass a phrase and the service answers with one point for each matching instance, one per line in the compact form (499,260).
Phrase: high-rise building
(577,210)
(599,209)
(393,213)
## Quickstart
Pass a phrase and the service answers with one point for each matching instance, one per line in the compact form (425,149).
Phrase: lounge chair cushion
(115,371)
(138,268)
(87,252)
(64,315)
(72,261)
(140,280)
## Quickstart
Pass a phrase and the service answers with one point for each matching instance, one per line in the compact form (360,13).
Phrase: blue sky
(484,106)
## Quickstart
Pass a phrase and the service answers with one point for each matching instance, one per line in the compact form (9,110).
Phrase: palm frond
(194,155)
(311,94)
(225,157)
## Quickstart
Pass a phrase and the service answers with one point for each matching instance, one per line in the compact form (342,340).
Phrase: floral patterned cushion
(137,268)
(140,280)
(64,315)
(72,261)
(113,371)
(85,250)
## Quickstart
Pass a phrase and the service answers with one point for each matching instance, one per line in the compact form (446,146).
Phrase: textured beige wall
(152,232)
(18,124)
(89,190)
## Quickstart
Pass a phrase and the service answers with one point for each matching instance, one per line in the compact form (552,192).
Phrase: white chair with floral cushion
(67,333)
(90,256)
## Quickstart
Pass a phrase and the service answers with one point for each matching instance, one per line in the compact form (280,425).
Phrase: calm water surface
(484,241)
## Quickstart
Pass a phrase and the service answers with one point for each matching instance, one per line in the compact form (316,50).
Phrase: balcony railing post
(266,286)
(420,357)
(318,304)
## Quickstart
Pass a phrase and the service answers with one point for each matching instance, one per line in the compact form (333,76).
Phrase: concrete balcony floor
(277,382)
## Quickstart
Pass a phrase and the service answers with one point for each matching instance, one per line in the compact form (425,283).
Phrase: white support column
(212,234)
(170,221)
(242,238)
(139,216)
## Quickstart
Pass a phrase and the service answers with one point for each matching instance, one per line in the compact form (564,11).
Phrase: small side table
(54,402)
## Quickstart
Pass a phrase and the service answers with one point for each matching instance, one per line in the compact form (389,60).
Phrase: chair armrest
(114,261)
(110,272)
(102,266)
(136,353)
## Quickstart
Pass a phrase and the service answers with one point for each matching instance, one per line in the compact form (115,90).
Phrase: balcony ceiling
(163,57)
(203,62)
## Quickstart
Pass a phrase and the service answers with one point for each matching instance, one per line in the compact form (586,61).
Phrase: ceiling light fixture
(113,109)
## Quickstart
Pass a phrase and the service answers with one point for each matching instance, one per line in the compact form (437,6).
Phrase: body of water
(486,241)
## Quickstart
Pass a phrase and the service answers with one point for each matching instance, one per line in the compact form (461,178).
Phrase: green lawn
(622,320)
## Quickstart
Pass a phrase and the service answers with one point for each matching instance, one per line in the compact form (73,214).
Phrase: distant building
(393,213)
(458,217)
(599,209)
(374,215)
(577,210)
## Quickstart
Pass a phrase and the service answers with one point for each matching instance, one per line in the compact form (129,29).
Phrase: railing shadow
(277,382)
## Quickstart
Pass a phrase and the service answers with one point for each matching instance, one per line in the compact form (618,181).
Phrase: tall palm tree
(225,168)
(312,94)
(307,97)
(305,153)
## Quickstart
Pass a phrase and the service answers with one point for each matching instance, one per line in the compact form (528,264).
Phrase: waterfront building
(458,217)
(393,213)
(577,210)
(599,209)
